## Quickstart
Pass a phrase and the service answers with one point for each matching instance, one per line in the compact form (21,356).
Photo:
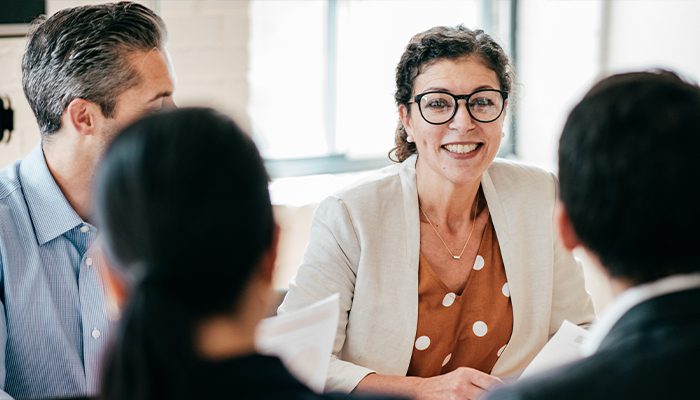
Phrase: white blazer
(365,243)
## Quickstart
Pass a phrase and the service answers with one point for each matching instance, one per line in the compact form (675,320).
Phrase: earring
(409,138)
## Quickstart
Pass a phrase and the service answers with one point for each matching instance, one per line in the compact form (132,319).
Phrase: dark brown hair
(443,42)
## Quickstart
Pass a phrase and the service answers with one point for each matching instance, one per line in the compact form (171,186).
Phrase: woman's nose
(462,120)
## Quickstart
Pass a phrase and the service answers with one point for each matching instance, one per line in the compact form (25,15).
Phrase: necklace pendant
(456,257)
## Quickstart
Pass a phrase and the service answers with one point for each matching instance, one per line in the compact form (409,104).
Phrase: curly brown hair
(443,42)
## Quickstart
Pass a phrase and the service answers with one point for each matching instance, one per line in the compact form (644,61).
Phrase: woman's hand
(462,383)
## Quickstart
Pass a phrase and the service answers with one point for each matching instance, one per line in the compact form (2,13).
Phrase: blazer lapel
(514,271)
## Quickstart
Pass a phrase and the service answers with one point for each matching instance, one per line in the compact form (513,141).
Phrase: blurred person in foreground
(629,168)
(188,228)
(448,267)
(86,72)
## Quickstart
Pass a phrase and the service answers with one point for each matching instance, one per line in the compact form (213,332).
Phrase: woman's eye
(438,104)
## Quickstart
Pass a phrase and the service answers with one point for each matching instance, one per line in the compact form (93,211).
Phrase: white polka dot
(480,328)
(422,343)
(500,351)
(505,290)
(447,359)
(478,263)
(448,299)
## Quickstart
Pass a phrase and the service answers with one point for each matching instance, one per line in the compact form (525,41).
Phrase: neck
(446,202)
(224,337)
(233,335)
(73,172)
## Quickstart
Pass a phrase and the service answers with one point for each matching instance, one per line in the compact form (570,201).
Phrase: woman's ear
(564,227)
(83,116)
(405,118)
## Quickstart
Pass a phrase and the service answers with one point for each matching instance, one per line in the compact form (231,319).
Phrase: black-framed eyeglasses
(439,107)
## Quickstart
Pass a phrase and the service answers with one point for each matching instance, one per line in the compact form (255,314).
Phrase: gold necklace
(454,257)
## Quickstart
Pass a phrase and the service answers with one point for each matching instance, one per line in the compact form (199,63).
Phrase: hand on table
(462,383)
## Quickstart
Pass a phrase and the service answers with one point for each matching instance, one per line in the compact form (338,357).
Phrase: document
(563,347)
(303,340)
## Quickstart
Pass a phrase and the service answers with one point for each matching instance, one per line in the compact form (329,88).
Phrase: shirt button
(96,333)
(84,229)
(88,261)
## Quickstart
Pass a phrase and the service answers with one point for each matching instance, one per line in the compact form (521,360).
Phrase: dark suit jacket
(652,352)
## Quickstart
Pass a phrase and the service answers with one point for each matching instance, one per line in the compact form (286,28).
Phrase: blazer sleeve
(570,300)
(329,266)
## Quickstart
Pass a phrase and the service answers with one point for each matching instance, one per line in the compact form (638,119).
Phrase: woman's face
(460,150)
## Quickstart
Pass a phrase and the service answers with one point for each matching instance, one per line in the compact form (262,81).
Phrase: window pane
(371,37)
(294,112)
(286,77)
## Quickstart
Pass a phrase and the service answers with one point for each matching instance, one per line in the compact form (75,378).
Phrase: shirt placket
(92,308)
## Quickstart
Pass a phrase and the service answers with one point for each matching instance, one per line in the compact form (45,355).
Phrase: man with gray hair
(86,72)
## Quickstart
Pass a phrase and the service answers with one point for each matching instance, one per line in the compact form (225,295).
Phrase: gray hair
(81,53)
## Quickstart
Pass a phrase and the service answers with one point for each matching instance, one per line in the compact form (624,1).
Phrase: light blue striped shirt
(53,324)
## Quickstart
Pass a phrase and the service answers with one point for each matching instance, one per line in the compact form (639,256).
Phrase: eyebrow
(442,89)
(161,94)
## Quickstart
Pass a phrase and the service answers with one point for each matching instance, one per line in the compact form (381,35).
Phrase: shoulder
(9,180)
(520,184)
(572,381)
(381,182)
(371,192)
(517,173)
(622,372)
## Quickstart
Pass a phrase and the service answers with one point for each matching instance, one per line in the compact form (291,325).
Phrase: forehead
(463,75)
(153,68)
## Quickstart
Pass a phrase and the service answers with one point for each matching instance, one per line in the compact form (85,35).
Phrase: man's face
(153,92)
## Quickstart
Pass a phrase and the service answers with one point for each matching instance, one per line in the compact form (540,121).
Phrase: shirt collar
(49,210)
(632,297)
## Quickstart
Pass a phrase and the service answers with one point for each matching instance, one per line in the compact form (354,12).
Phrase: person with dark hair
(86,72)
(627,160)
(196,284)
(449,272)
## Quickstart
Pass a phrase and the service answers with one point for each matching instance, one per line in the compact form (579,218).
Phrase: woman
(185,212)
(447,265)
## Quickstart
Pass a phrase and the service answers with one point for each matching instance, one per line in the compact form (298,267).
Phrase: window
(321,75)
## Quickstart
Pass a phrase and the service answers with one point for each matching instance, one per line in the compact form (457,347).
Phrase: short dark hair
(184,209)
(80,53)
(628,166)
(437,43)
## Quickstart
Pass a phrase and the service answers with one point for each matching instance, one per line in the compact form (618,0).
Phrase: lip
(463,156)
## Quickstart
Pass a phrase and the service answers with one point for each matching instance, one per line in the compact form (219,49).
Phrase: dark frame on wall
(16,15)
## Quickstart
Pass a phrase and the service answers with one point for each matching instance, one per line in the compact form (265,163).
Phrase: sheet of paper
(303,340)
(563,347)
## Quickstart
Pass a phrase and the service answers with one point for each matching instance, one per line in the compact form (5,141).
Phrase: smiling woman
(436,259)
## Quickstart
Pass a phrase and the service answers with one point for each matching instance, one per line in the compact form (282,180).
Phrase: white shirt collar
(630,298)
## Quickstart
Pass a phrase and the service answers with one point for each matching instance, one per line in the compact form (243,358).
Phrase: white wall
(558,58)
(563,49)
(660,33)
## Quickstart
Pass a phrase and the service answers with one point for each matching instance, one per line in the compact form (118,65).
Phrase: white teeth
(460,148)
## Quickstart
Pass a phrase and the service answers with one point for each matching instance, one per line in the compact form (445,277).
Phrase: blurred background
(313,80)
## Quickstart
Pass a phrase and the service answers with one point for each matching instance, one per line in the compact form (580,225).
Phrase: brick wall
(207,42)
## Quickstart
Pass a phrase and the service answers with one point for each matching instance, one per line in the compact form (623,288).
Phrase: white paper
(564,346)
(303,340)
